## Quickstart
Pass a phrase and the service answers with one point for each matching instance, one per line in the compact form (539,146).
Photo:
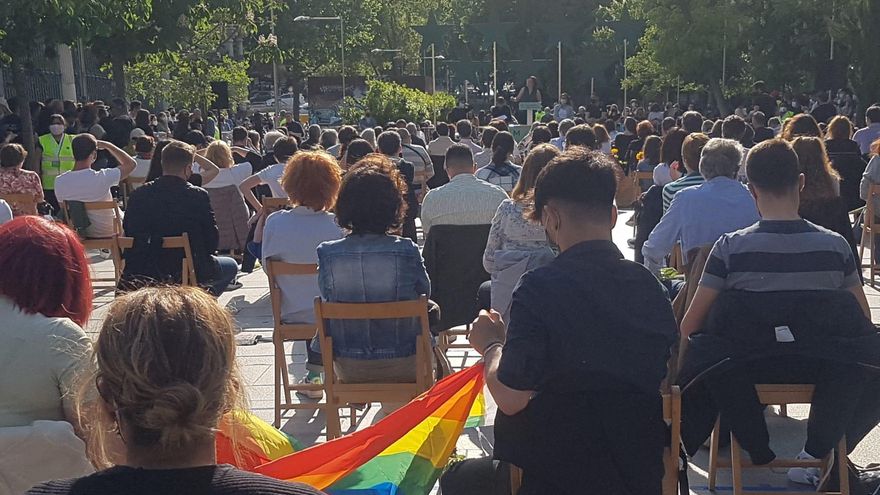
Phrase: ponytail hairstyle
(166,371)
(502,147)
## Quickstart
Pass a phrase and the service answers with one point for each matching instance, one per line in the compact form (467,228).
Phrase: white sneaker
(805,476)
(311,394)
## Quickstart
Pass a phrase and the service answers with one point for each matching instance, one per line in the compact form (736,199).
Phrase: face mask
(56,129)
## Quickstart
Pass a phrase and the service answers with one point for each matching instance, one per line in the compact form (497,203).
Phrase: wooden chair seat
(340,394)
(772,394)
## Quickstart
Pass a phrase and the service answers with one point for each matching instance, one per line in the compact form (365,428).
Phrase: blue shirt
(372,268)
(698,216)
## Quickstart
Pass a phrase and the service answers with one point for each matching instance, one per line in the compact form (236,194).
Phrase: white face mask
(56,129)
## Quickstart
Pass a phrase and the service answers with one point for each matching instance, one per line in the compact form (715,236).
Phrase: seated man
(465,200)
(691,150)
(574,364)
(170,206)
(699,215)
(783,252)
(270,176)
(87,185)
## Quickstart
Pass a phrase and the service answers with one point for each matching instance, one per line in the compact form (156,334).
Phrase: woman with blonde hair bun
(166,374)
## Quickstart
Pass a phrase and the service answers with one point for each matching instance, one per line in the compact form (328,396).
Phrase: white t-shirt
(271,176)
(89,186)
(232,176)
(142,169)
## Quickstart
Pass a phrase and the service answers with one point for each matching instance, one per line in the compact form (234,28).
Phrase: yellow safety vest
(57,158)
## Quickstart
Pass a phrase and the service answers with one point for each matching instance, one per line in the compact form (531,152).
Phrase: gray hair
(405,137)
(270,138)
(565,125)
(721,158)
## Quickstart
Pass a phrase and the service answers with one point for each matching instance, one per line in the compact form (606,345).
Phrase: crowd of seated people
(769,211)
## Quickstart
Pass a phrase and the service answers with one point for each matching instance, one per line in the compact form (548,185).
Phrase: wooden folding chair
(869,227)
(188,271)
(340,394)
(24,201)
(128,185)
(285,332)
(643,175)
(773,394)
(671,454)
(108,243)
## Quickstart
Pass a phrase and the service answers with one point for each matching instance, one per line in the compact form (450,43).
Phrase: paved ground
(254,317)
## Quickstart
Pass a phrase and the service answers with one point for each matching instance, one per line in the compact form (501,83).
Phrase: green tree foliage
(185,83)
(388,101)
(51,22)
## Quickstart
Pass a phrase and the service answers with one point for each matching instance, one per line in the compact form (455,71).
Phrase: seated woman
(166,374)
(14,180)
(516,245)
(372,265)
(649,159)
(311,180)
(227,201)
(820,199)
(43,349)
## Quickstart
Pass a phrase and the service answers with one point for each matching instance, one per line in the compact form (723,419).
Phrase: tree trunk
(117,70)
(718,95)
(24,112)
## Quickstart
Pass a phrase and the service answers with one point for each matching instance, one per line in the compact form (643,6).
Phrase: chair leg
(713,454)
(842,468)
(334,428)
(277,422)
(282,379)
(783,410)
(736,466)
(670,478)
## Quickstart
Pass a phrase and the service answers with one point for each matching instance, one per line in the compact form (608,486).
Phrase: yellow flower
(640,156)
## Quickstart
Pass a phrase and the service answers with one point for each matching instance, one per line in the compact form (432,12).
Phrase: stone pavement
(253,313)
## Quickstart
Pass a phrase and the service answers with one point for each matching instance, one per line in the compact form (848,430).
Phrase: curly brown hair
(311,179)
(372,197)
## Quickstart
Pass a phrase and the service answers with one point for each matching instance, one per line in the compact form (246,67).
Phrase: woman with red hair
(45,299)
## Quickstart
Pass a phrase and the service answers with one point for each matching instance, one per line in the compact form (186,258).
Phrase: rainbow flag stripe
(403,454)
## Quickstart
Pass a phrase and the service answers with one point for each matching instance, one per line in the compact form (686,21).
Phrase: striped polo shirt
(669,190)
(783,255)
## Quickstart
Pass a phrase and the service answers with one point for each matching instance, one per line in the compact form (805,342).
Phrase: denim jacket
(372,268)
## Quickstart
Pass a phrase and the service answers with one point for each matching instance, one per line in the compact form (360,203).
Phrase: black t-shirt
(766,103)
(206,480)
(254,159)
(501,111)
(118,130)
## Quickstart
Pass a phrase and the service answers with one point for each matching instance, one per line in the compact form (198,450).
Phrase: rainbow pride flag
(403,454)
(246,441)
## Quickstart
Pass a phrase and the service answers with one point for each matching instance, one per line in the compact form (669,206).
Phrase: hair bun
(176,413)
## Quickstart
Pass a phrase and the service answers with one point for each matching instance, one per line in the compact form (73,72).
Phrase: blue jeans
(225,270)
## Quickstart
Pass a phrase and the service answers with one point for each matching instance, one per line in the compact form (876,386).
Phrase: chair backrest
(274,269)
(272,204)
(95,206)
(645,175)
(188,271)
(24,201)
(454,260)
(417,308)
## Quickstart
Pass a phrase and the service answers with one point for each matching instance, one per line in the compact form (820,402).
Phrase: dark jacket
(833,214)
(647,217)
(167,207)
(741,327)
(454,260)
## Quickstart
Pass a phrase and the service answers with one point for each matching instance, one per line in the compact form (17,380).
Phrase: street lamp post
(307,18)
(433,58)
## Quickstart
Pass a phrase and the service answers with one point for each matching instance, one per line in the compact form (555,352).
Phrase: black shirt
(568,331)
(165,207)
(824,112)
(251,157)
(206,480)
(118,130)
(763,134)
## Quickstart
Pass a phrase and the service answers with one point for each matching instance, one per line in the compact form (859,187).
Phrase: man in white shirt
(867,135)
(465,200)
(283,149)
(439,146)
(87,185)
(465,131)
(418,156)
